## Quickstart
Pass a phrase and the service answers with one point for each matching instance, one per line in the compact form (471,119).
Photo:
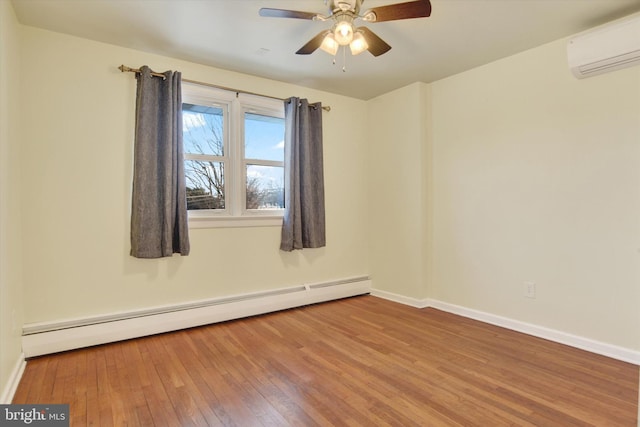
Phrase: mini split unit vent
(606,48)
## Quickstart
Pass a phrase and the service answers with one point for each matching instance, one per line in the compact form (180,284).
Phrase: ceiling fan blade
(313,44)
(377,46)
(284,13)
(408,10)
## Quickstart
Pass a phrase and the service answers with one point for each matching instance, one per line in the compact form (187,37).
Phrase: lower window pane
(205,184)
(265,187)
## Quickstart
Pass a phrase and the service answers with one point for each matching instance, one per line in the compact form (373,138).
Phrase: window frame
(225,106)
(234,106)
(258,108)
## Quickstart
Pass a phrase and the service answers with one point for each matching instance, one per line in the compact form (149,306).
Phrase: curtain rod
(125,69)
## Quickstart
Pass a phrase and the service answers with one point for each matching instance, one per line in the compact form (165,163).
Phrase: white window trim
(234,221)
(234,106)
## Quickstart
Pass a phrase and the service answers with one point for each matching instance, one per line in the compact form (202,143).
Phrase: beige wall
(78,121)
(397,192)
(10,243)
(536,178)
(509,173)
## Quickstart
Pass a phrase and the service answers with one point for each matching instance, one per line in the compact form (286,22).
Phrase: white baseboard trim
(14,379)
(53,337)
(413,302)
(593,346)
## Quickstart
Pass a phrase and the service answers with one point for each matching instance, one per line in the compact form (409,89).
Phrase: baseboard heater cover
(53,337)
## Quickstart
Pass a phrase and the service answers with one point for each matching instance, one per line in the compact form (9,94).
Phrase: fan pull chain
(344,59)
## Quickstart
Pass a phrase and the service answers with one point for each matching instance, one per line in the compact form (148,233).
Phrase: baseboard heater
(53,337)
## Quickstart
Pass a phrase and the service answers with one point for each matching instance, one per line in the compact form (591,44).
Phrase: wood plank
(353,362)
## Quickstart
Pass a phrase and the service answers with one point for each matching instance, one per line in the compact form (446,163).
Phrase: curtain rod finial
(123,68)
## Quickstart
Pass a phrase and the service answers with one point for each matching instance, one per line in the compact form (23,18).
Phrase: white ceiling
(229,34)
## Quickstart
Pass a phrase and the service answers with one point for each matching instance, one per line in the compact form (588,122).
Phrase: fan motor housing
(346,5)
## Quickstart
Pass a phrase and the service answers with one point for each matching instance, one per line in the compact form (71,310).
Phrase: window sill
(236,222)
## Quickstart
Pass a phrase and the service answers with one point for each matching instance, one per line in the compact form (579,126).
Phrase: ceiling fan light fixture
(359,44)
(343,33)
(329,44)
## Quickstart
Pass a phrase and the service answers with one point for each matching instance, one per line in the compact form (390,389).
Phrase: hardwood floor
(361,361)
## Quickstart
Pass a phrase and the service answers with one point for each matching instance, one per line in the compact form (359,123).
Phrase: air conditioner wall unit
(605,48)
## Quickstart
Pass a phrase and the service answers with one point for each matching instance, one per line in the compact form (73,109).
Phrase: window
(234,157)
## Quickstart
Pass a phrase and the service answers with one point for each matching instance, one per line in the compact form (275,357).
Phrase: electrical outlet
(530,289)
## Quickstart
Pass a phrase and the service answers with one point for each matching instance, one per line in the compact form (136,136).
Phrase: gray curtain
(159,206)
(304,219)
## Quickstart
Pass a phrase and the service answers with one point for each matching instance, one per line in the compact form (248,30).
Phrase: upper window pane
(263,137)
(203,130)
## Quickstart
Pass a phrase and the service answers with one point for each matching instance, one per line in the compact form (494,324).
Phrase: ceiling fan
(344,13)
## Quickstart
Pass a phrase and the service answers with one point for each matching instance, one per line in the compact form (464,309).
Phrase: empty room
(301,213)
